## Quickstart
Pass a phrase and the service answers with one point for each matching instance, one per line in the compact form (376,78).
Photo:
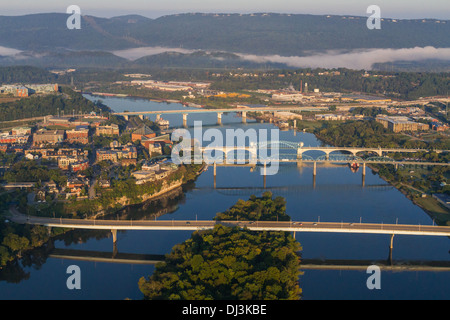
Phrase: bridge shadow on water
(289,190)
(306,264)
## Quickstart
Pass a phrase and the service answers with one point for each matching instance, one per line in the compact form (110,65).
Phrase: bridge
(375,154)
(196,225)
(219,112)
(251,156)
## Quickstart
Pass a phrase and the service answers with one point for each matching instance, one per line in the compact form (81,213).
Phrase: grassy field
(440,214)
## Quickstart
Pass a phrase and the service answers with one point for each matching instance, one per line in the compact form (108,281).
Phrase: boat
(162,122)
(354,166)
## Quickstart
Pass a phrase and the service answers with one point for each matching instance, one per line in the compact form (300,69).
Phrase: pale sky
(400,9)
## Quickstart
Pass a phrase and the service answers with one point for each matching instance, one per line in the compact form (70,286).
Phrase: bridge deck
(289,226)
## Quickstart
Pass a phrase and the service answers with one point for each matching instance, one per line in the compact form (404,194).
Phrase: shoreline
(154,197)
(427,210)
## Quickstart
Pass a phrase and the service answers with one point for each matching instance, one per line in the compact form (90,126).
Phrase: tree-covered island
(231,263)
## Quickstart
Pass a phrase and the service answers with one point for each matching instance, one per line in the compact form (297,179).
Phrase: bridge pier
(264,175)
(219,118)
(391,247)
(315,169)
(185,120)
(141,116)
(114,235)
(215,173)
(244,117)
(126,117)
(364,174)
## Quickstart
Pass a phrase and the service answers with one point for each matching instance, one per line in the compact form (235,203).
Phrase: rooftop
(144,130)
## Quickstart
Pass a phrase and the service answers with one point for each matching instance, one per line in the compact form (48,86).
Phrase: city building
(107,155)
(79,166)
(52,137)
(65,162)
(156,144)
(288,97)
(114,155)
(143,176)
(21,131)
(59,153)
(330,117)
(28,89)
(399,124)
(143,131)
(79,135)
(107,130)
(6,138)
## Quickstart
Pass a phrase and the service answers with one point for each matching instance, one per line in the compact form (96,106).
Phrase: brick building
(78,136)
(141,133)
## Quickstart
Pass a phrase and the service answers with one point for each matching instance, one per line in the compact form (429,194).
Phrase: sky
(400,9)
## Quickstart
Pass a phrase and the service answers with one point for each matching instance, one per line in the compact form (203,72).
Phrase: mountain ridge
(270,33)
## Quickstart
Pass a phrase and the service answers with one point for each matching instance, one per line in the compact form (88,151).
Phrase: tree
(16,243)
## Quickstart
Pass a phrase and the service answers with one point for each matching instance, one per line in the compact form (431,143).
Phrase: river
(337,195)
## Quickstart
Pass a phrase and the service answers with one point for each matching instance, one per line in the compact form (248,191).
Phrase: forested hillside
(262,34)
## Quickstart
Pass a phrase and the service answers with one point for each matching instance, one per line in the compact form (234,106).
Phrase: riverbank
(428,204)
(124,200)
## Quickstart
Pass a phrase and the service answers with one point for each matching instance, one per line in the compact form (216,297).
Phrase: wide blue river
(337,195)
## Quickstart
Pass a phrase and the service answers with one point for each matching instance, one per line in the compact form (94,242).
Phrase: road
(181,225)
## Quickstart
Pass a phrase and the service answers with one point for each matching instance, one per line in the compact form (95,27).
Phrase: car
(315,223)
(188,222)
